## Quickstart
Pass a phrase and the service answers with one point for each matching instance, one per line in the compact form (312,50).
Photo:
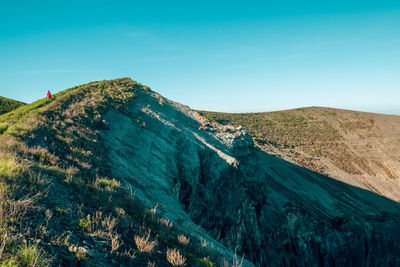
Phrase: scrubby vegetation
(175,257)
(305,134)
(7,105)
(56,194)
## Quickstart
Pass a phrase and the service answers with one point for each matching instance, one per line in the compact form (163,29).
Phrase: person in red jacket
(48,96)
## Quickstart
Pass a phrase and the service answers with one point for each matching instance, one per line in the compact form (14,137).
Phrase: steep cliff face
(160,153)
(213,183)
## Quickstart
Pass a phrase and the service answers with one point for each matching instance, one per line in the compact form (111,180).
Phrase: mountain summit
(113,174)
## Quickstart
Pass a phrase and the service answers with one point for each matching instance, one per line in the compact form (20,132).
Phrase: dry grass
(167,223)
(184,240)
(48,215)
(130,254)
(15,209)
(38,178)
(61,240)
(17,200)
(161,100)
(175,257)
(203,243)
(116,242)
(236,262)
(144,244)
(153,210)
(103,227)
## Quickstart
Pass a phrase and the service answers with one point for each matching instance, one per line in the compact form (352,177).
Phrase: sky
(230,56)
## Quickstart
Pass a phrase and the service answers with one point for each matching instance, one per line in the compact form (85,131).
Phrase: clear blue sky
(212,55)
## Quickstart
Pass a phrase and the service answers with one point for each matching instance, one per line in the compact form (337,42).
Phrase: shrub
(9,263)
(31,255)
(184,240)
(8,166)
(143,244)
(236,261)
(107,184)
(86,224)
(207,262)
(175,258)
(3,127)
(167,223)
(61,240)
(60,211)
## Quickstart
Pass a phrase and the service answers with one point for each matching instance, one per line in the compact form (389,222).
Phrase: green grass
(7,105)
(8,166)
(23,111)
(108,184)
(85,224)
(60,211)
(3,127)
(32,255)
(104,94)
(9,263)
(206,262)
(329,113)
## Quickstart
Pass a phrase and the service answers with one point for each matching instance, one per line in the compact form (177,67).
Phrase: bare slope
(355,147)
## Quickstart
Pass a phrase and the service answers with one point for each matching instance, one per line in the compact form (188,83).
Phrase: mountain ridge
(51,156)
(110,160)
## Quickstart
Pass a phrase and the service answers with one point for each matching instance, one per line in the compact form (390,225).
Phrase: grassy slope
(309,134)
(7,105)
(58,198)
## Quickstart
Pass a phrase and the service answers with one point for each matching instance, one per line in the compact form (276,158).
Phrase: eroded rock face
(214,184)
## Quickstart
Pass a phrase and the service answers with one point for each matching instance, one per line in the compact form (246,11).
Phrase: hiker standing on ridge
(48,96)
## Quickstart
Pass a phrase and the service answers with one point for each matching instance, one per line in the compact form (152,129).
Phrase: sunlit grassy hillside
(59,204)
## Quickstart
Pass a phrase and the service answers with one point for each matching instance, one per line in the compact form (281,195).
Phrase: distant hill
(7,105)
(355,147)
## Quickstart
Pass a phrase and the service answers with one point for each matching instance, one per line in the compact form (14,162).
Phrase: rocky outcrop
(214,184)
